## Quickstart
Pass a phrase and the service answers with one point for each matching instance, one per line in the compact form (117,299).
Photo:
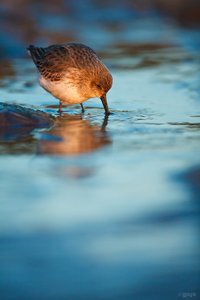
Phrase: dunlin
(72,72)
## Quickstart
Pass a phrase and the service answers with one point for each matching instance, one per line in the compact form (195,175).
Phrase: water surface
(105,208)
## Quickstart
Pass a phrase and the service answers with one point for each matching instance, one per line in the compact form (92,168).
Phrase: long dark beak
(105,104)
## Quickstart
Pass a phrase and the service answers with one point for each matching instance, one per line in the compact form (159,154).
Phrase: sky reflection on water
(95,208)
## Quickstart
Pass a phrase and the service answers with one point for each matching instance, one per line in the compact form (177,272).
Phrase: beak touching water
(105,104)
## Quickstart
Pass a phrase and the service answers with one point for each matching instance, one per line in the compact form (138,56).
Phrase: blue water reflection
(95,208)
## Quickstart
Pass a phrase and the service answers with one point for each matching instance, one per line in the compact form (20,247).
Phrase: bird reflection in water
(72,135)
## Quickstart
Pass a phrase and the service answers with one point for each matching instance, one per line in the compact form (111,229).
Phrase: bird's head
(100,86)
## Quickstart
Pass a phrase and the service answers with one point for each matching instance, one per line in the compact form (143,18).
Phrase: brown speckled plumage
(72,73)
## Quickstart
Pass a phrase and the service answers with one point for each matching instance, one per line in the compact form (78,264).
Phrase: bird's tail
(36,53)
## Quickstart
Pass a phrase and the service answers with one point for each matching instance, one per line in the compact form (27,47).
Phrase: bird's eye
(98,85)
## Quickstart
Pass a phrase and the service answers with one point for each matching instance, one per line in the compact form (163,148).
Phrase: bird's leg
(82,108)
(60,107)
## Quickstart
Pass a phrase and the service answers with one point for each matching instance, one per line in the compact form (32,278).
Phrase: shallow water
(105,208)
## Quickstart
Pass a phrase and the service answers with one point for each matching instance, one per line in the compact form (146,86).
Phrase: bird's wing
(52,61)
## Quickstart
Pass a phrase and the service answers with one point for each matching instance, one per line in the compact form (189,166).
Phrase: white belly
(63,90)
